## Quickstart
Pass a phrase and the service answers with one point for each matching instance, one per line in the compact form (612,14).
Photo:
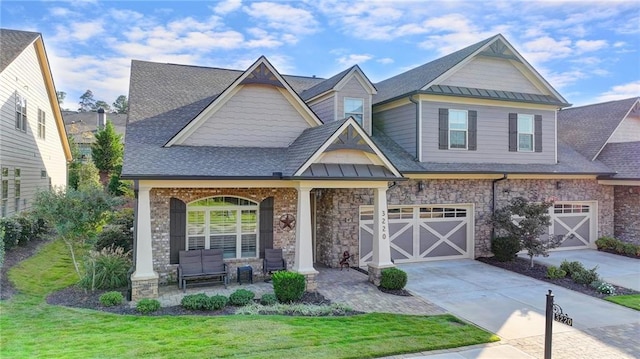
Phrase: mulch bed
(539,271)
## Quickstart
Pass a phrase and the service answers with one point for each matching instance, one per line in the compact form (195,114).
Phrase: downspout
(417,103)
(493,204)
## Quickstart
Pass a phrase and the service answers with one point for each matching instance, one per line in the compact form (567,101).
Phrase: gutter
(493,198)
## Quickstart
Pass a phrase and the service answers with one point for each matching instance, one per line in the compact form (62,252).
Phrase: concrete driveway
(513,306)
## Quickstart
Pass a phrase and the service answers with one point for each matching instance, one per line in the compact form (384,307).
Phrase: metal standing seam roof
(492,94)
(587,128)
(13,43)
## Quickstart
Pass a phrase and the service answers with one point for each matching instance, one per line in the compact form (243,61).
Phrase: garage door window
(571,208)
(439,212)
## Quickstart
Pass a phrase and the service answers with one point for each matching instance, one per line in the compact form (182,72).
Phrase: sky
(588,51)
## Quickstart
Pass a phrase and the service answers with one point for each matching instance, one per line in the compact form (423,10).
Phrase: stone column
(381,244)
(144,281)
(304,248)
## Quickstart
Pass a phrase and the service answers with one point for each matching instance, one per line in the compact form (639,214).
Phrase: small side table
(247,272)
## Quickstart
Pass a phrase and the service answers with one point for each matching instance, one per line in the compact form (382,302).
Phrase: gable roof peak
(13,43)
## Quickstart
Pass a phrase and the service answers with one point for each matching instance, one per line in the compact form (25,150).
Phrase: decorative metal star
(287,221)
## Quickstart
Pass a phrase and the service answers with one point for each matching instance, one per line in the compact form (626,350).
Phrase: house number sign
(560,316)
(383,221)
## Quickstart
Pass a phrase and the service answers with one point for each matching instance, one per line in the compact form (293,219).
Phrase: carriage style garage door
(421,233)
(576,221)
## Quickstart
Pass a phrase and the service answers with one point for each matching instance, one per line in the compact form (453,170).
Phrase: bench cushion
(212,261)
(190,263)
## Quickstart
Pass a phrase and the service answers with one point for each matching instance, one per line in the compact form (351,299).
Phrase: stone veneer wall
(285,201)
(627,213)
(338,209)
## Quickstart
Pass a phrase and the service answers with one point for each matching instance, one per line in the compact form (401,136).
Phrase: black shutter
(473,130)
(443,116)
(266,225)
(513,132)
(537,133)
(177,228)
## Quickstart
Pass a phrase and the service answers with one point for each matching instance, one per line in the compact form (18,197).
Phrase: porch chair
(273,261)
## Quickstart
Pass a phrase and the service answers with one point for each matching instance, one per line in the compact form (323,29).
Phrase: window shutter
(537,133)
(266,225)
(444,129)
(177,229)
(473,130)
(513,132)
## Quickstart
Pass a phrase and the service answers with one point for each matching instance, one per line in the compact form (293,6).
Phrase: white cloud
(619,92)
(225,7)
(290,20)
(561,79)
(262,38)
(79,31)
(385,60)
(61,11)
(354,59)
(590,45)
(546,48)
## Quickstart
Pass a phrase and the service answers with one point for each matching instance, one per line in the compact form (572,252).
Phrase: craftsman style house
(408,169)
(33,144)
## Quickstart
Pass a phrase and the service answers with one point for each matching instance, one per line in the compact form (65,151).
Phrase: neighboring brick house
(408,169)
(34,150)
(609,132)
(83,126)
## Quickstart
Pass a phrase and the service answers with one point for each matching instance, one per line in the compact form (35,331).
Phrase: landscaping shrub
(195,302)
(11,232)
(288,286)
(114,237)
(218,302)
(505,248)
(606,243)
(106,269)
(630,249)
(554,272)
(585,276)
(241,297)
(109,299)
(146,306)
(571,267)
(393,278)
(268,299)
(606,288)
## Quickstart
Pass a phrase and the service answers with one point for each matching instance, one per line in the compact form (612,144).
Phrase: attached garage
(575,220)
(421,233)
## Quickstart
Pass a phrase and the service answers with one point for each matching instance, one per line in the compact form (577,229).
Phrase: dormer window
(354,107)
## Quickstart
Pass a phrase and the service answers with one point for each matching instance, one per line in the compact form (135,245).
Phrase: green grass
(33,329)
(631,301)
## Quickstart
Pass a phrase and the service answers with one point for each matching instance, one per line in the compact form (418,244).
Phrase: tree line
(88,103)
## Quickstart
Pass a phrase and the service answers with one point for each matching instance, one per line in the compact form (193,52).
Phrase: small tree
(88,177)
(528,222)
(121,105)
(75,215)
(87,102)
(75,164)
(108,149)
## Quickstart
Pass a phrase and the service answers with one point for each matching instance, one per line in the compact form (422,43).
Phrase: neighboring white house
(33,143)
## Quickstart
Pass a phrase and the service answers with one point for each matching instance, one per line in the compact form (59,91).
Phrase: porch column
(381,245)
(303,257)
(144,281)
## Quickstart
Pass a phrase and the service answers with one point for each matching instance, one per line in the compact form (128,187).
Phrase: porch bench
(201,264)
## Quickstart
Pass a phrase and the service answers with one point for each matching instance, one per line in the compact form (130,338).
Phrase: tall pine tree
(108,150)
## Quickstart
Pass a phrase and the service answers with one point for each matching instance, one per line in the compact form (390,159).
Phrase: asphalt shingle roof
(83,125)
(624,158)
(587,128)
(12,43)
(325,85)
(308,143)
(420,76)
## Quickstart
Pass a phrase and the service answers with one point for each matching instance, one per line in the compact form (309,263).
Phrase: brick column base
(375,274)
(144,288)
(312,283)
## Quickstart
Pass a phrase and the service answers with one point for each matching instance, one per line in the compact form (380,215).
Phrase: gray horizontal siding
(400,125)
(492,136)
(354,89)
(325,109)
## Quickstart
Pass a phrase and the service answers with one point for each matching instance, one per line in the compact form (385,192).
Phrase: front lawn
(631,301)
(31,328)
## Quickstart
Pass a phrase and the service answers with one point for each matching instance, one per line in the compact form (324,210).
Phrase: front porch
(349,287)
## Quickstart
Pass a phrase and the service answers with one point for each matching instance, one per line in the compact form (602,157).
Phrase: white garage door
(421,233)
(576,221)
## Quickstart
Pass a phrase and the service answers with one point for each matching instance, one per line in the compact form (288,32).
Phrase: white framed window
(227,223)
(43,173)
(41,124)
(21,112)
(5,171)
(525,133)
(458,129)
(5,196)
(354,107)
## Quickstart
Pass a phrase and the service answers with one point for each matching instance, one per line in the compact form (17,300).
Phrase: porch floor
(349,287)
